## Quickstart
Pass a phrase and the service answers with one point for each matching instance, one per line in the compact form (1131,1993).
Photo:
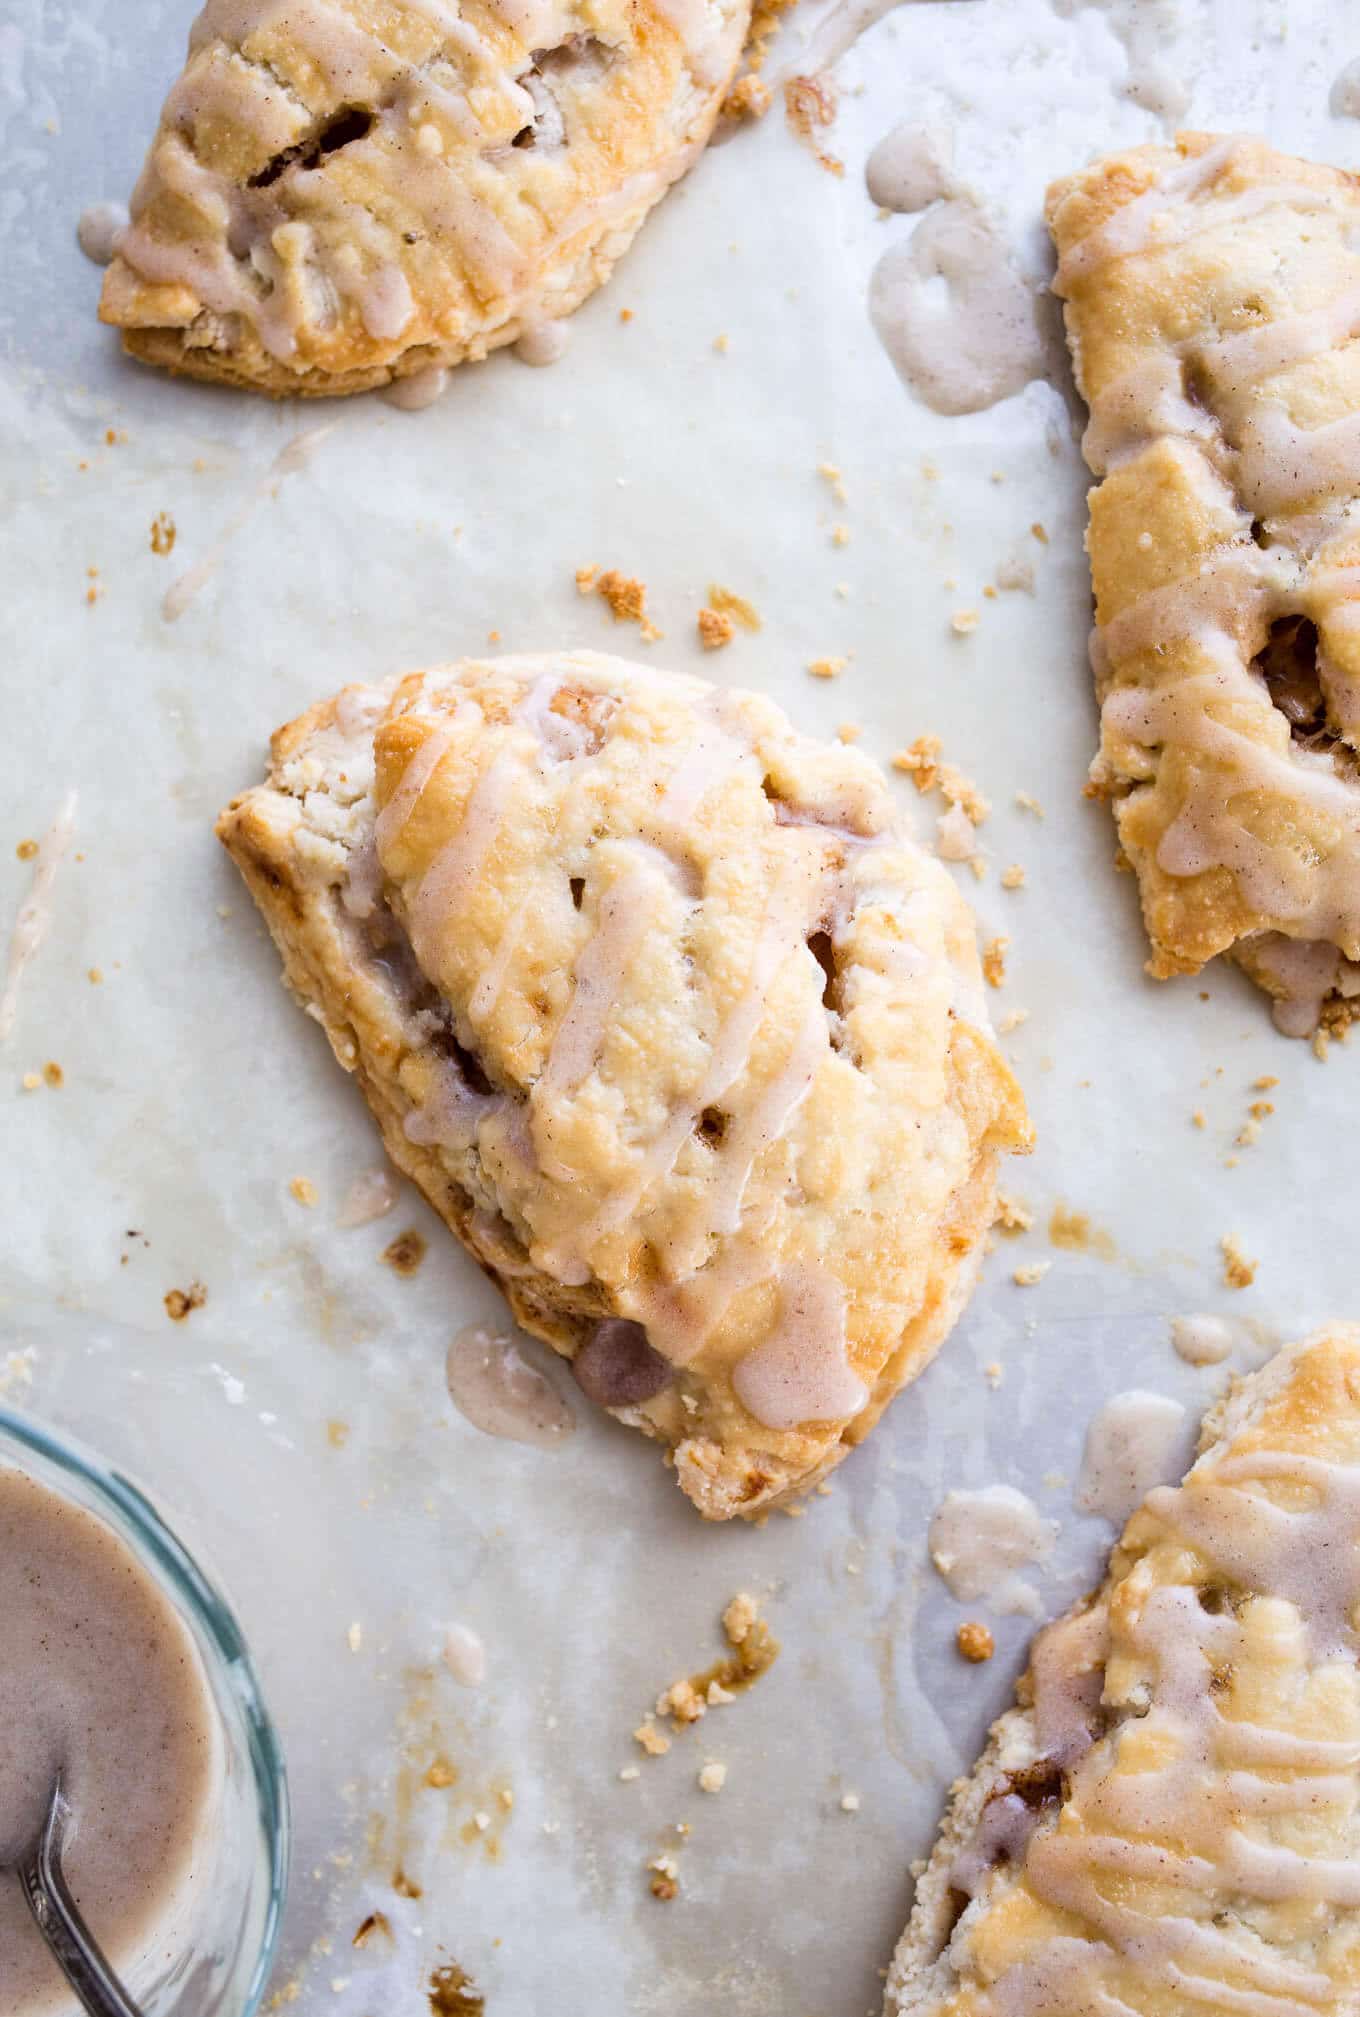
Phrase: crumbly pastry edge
(920,1975)
(309,931)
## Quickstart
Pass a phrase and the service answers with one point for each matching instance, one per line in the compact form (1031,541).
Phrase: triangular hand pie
(1167,1824)
(670,1019)
(346,191)
(1213,309)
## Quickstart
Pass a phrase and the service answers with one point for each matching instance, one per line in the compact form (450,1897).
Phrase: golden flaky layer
(343,192)
(671,1020)
(1170,1820)
(1212,297)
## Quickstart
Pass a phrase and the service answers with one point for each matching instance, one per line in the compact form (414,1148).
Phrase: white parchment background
(194,1092)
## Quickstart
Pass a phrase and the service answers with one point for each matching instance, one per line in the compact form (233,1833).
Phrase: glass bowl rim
(196,1593)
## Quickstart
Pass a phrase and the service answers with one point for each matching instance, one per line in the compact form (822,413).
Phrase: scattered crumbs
(749,98)
(355,1636)
(1197,1118)
(493,637)
(810,107)
(712,1776)
(179,1302)
(630,1772)
(974,1641)
(405,1253)
(993,1373)
(848,731)
(827,668)
(1322,1043)
(1238,1271)
(1013,877)
(53,1074)
(722,344)
(1012,1021)
(376,1922)
(715,629)
(1264,1085)
(95,976)
(1012,1214)
(665,1877)
(30,1082)
(441,1773)
(26,850)
(1031,1274)
(726,602)
(481,1821)
(849,1803)
(715,1694)
(624,596)
(337,1434)
(920,760)
(404,1886)
(16,1370)
(843,590)
(304,1190)
(955,836)
(452,1993)
(1028,803)
(162,533)
(994,960)
(754,1650)
(652,1740)
(830,474)
(840,535)
(1039,532)
(625,315)
(963,621)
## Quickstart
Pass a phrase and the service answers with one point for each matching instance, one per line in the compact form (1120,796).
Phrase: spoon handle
(72,1945)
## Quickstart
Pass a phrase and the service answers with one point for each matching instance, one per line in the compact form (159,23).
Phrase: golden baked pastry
(1167,1824)
(1213,302)
(343,192)
(668,1017)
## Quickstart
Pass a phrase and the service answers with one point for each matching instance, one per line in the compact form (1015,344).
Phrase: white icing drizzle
(446,882)
(417,390)
(1202,1341)
(598,980)
(1144,27)
(981,343)
(465,1656)
(451,1112)
(1180,1858)
(35,912)
(420,767)
(494,1386)
(542,343)
(800,1372)
(293,456)
(978,1541)
(1137,1440)
(98,230)
(371,1196)
(911,168)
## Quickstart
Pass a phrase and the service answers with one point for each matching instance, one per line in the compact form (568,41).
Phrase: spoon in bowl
(72,1945)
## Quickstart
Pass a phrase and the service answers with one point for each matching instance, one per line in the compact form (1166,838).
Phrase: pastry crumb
(712,1776)
(920,761)
(1012,1021)
(955,836)
(974,1641)
(810,107)
(1040,533)
(53,1075)
(722,344)
(162,533)
(1238,1271)
(665,1882)
(26,850)
(848,731)
(30,1082)
(179,1302)
(440,1774)
(849,1803)
(726,602)
(715,1694)
(1027,802)
(994,1373)
(1030,1274)
(1013,877)
(1012,1214)
(827,668)
(630,1772)
(355,1636)
(831,475)
(715,629)
(653,1741)
(405,1253)
(304,1190)
(994,960)
(624,595)
(749,98)
(963,622)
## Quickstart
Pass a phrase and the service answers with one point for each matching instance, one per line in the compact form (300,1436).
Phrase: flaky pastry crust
(1212,296)
(344,192)
(673,1023)
(1170,1819)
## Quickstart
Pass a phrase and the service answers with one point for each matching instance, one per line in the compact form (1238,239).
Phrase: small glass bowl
(227,1968)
